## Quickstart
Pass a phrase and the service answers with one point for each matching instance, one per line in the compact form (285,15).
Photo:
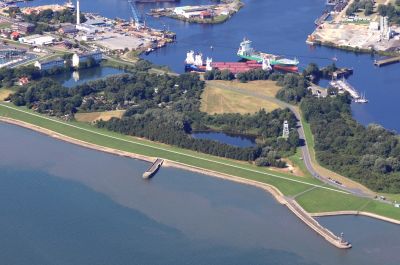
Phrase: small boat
(361,100)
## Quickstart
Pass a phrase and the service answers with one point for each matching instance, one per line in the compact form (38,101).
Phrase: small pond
(226,138)
(74,78)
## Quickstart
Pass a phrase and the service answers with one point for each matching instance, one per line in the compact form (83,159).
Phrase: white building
(373,25)
(189,11)
(38,40)
(77,59)
(89,29)
(50,64)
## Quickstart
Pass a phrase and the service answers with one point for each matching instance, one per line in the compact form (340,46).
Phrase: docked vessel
(194,63)
(362,99)
(247,52)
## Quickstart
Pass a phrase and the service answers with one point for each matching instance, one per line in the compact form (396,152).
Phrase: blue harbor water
(64,204)
(71,79)
(279,27)
(226,138)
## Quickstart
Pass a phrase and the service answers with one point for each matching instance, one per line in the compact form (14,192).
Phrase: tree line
(164,108)
(370,155)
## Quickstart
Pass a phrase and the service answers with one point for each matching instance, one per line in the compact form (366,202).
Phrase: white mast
(78,13)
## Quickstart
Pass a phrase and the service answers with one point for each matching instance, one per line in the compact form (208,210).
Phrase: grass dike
(319,199)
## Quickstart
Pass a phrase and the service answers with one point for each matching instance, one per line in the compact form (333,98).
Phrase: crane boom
(135,13)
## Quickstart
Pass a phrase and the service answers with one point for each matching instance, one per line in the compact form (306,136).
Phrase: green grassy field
(315,200)
(319,200)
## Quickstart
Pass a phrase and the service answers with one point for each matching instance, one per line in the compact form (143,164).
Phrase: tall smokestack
(78,13)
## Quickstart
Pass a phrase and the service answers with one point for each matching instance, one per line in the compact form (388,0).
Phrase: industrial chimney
(78,13)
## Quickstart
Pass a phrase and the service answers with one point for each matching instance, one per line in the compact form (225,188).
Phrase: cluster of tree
(366,5)
(294,87)
(47,96)
(166,109)
(172,127)
(390,11)
(313,72)
(370,155)
(257,74)
(49,16)
(9,76)
(216,74)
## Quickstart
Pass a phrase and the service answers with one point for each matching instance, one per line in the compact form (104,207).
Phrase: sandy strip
(372,215)
(298,211)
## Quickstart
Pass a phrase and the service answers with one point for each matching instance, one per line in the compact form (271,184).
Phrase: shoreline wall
(291,205)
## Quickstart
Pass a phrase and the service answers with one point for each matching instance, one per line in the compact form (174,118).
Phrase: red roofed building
(205,14)
(15,35)
(23,81)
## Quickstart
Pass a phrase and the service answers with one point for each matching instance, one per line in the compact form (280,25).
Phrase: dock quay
(153,168)
(337,241)
(342,85)
(387,61)
(342,72)
(322,18)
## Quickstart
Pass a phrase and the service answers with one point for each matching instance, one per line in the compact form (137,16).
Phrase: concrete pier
(153,169)
(337,241)
(387,61)
(343,85)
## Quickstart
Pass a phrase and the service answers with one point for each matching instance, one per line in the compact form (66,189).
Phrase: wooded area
(166,109)
(369,155)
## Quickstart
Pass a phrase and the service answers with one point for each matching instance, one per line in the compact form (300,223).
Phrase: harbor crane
(135,14)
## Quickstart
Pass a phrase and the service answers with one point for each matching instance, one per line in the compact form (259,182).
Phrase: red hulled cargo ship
(194,63)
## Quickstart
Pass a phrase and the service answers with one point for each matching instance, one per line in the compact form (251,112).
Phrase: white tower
(285,129)
(78,13)
(209,64)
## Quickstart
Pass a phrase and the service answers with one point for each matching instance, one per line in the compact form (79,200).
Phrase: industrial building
(23,27)
(77,59)
(68,29)
(190,11)
(89,29)
(50,64)
(37,40)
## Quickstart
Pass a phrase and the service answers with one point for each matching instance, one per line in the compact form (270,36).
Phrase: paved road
(304,149)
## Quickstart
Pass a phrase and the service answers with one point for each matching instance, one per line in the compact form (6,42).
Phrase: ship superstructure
(247,52)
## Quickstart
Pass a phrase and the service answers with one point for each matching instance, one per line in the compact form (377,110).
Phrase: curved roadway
(304,149)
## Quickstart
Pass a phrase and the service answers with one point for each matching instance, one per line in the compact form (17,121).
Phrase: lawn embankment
(287,184)
(95,116)
(318,200)
(215,100)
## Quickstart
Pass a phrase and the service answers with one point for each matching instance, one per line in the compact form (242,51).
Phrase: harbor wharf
(343,85)
(153,168)
(387,61)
